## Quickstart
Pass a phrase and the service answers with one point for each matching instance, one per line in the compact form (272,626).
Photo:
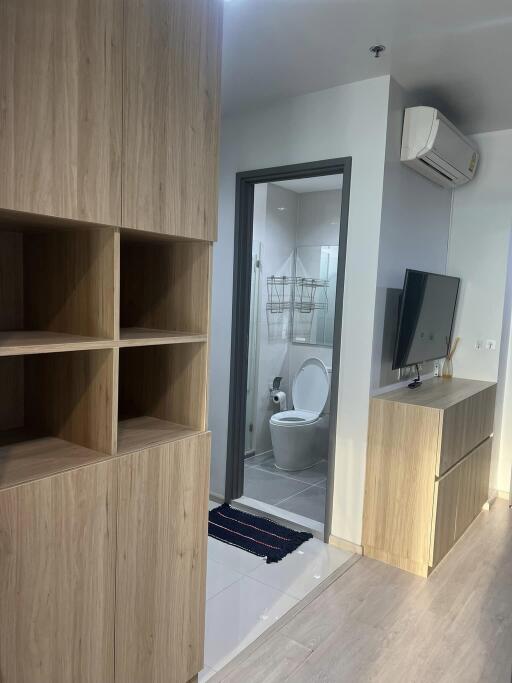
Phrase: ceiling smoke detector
(377,50)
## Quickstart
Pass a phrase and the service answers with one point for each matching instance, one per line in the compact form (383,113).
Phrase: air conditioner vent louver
(430,164)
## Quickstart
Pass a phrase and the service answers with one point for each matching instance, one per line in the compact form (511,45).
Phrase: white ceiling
(315,184)
(455,54)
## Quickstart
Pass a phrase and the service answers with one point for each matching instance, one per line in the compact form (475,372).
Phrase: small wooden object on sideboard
(427,472)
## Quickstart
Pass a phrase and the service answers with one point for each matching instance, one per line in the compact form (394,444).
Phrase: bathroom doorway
(290,243)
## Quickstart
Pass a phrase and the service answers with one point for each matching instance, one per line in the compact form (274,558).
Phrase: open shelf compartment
(55,413)
(57,289)
(162,394)
(164,291)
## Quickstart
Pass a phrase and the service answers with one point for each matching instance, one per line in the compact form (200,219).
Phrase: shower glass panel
(252,368)
(315,275)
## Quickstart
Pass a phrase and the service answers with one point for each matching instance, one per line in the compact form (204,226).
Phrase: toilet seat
(300,436)
(310,389)
(294,418)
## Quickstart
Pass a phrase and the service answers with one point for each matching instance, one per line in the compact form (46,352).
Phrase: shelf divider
(141,336)
(139,433)
(26,342)
(25,458)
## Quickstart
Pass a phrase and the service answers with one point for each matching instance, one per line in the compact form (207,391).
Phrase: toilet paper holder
(276,384)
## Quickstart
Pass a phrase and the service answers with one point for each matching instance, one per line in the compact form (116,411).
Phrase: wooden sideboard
(427,472)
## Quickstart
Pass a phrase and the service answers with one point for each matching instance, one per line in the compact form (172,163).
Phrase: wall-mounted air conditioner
(433,146)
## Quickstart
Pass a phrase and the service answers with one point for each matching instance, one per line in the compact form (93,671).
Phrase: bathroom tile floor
(245,596)
(300,492)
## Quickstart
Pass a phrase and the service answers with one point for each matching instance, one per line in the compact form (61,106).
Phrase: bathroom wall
(318,224)
(284,219)
(277,237)
(319,218)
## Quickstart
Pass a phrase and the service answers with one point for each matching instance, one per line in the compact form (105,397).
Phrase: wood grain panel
(138,433)
(72,396)
(24,457)
(11,280)
(61,125)
(71,283)
(26,343)
(12,396)
(142,336)
(438,392)
(57,539)
(465,425)
(445,515)
(165,286)
(161,571)
(167,382)
(459,497)
(403,441)
(171,116)
(474,487)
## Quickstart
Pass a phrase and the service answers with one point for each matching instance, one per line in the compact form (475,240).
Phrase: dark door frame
(244,206)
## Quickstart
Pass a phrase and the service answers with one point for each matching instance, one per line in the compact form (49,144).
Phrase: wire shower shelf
(301,294)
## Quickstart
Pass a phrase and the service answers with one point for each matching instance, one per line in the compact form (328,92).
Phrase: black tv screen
(425,320)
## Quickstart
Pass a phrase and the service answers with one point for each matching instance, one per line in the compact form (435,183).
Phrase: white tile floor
(245,595)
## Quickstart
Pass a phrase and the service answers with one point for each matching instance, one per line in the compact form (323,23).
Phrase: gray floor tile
(309,503)
(313,475)
(269,488)
(256,460)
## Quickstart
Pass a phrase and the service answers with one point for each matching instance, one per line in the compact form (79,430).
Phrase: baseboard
(216,498)
(258,455)
(342,544)
(504,495)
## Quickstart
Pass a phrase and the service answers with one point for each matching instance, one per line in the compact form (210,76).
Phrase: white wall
(479,253)
(414,232)
(283,220)
(349,120)
(277,238)
(319,218)
(318,225)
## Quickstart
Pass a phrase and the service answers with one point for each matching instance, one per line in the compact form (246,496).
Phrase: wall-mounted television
(425,319)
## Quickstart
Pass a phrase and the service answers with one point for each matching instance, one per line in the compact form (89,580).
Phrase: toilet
(300,436)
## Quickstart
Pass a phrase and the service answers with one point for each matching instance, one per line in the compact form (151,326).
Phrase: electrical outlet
(490,345)
(479,344)
(437,369)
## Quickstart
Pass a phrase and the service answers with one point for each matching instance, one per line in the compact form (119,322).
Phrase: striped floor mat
(256,535)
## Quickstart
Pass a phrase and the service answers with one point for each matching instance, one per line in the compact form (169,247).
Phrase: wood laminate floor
(377,623)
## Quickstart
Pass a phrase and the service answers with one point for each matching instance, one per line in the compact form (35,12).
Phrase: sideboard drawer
(465,425)
(458,498)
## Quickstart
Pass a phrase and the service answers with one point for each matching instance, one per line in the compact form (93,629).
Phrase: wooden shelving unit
(103,346)
(108,209)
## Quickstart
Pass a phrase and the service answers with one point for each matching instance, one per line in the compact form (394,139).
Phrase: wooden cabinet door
(465,425)
(474,486)
(61,108)
(161,567)
(57,555)
(458,499)
(171,116)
